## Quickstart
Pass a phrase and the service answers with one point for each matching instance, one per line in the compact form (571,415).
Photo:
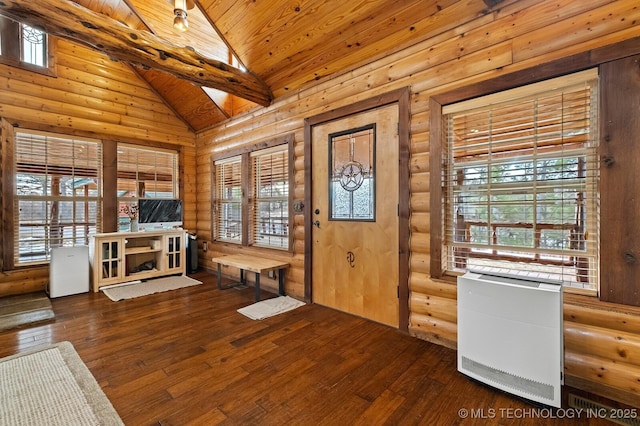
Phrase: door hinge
(398,129)
(398,292)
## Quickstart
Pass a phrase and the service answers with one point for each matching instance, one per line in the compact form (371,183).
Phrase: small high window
(24,46)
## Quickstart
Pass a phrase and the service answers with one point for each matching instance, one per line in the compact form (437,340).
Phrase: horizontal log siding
(95,97)
(92,95)
(513,38)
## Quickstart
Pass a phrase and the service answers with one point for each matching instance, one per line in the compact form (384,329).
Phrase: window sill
(285,249)
(581,291)
(223,241)
(452,278)
(47,71)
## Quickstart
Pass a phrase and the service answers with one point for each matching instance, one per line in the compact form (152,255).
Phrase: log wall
(602,342)
(95,97)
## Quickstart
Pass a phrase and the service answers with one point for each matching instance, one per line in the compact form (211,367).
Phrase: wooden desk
(255,264)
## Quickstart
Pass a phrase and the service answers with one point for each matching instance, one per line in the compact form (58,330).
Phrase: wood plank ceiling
(286,44)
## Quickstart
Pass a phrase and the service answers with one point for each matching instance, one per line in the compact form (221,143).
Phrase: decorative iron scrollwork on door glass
(352,174)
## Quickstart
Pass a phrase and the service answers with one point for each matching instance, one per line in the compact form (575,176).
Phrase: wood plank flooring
(186,357)
(23,309)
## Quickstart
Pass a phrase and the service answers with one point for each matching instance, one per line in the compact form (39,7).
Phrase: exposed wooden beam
(71,21)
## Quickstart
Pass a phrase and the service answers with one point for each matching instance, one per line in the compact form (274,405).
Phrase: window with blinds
(57,193)
(520,182)
(144,172)
(270,199)
(228,200)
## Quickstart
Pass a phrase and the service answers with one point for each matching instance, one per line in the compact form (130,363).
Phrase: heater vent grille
(528,386)
(602,410)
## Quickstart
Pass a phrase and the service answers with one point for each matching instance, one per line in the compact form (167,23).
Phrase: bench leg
(219,276)
(257,287)
(281,282)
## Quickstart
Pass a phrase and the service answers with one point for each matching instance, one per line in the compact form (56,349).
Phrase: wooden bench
(255,264)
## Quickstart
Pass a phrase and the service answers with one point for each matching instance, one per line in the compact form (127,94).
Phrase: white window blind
(228,199)
(57,193)
(144,172)
(520,182)
(270,197)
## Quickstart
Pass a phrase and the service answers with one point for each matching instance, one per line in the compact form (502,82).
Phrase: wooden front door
(355,214)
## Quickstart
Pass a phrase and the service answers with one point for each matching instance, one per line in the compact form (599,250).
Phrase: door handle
(317,223)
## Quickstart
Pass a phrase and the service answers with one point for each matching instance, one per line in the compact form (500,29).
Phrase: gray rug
(52,386)
(24,309)
(129,291)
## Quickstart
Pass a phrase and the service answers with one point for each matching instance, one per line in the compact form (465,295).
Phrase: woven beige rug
(157,285)
(52,386)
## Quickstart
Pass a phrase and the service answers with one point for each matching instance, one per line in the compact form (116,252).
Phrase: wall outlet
(204,246)
(272,274)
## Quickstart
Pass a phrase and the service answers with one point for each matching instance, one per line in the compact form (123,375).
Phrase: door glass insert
(352,174)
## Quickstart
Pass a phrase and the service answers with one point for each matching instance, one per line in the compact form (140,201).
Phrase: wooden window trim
(255,158)
(141,177)
(219,167)
(10,215)
(521,127)
(245,152)
(616,286)
(109,203)
(12,58)
(619,159)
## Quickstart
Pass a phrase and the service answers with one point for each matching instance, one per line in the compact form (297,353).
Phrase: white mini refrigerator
(68,271)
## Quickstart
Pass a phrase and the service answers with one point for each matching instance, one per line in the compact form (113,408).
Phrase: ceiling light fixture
(180,12)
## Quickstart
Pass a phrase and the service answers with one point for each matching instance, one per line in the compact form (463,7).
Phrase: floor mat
(270,307)
(24,309)
(156,285)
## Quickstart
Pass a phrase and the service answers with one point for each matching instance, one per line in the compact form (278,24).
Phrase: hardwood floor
(186,357)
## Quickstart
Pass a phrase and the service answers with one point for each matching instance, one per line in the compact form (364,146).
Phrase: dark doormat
(23,309)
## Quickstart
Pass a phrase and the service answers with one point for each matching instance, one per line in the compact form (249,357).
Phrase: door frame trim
(402,97)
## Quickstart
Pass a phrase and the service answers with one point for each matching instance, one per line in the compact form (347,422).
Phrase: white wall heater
(510,335)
